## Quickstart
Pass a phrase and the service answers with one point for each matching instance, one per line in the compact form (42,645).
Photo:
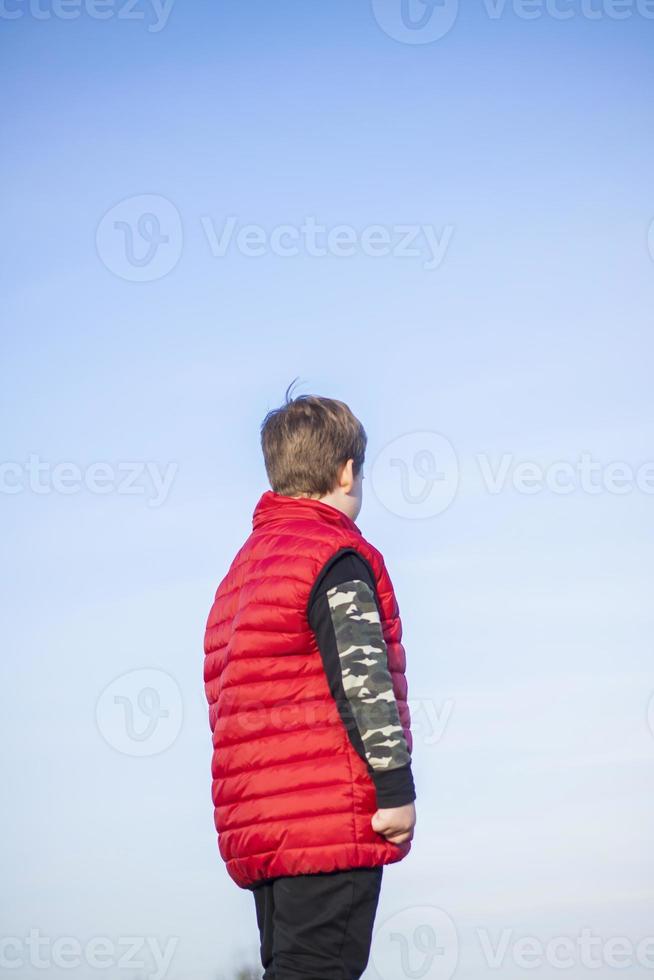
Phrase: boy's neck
(344,502)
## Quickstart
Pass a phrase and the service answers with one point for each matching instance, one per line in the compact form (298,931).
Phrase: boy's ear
(346,476)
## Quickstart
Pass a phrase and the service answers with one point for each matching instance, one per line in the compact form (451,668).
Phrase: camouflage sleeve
(367,681)
(344,614)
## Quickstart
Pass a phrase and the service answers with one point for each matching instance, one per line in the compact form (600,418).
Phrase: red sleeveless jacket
(291,794)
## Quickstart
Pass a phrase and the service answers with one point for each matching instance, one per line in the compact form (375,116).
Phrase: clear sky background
(525,147)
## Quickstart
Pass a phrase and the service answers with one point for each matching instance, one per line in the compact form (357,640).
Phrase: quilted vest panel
(291,794)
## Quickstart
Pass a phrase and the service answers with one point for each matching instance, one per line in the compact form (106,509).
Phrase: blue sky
(523,147)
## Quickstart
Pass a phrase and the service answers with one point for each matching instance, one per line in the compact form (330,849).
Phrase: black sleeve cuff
(394,787)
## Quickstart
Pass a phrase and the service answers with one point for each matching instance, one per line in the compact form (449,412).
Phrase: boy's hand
(395,824)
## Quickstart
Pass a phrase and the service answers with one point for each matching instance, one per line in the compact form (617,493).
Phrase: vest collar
(276,507)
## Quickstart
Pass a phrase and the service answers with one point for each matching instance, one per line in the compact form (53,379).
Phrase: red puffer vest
(291,794)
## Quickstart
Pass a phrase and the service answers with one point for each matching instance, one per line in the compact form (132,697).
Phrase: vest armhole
(347,550)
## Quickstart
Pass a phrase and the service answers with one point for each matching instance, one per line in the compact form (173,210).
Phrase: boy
(304,674)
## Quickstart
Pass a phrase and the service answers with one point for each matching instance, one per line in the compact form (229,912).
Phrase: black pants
(317,927)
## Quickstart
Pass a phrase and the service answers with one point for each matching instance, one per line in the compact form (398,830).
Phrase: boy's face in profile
(357,494)
(348,493)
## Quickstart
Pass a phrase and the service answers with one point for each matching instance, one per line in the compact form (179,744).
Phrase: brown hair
(307,440)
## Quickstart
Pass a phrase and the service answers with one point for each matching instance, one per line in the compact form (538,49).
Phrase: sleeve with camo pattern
(344,615)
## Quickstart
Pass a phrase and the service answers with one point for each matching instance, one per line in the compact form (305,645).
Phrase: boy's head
(315,447)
